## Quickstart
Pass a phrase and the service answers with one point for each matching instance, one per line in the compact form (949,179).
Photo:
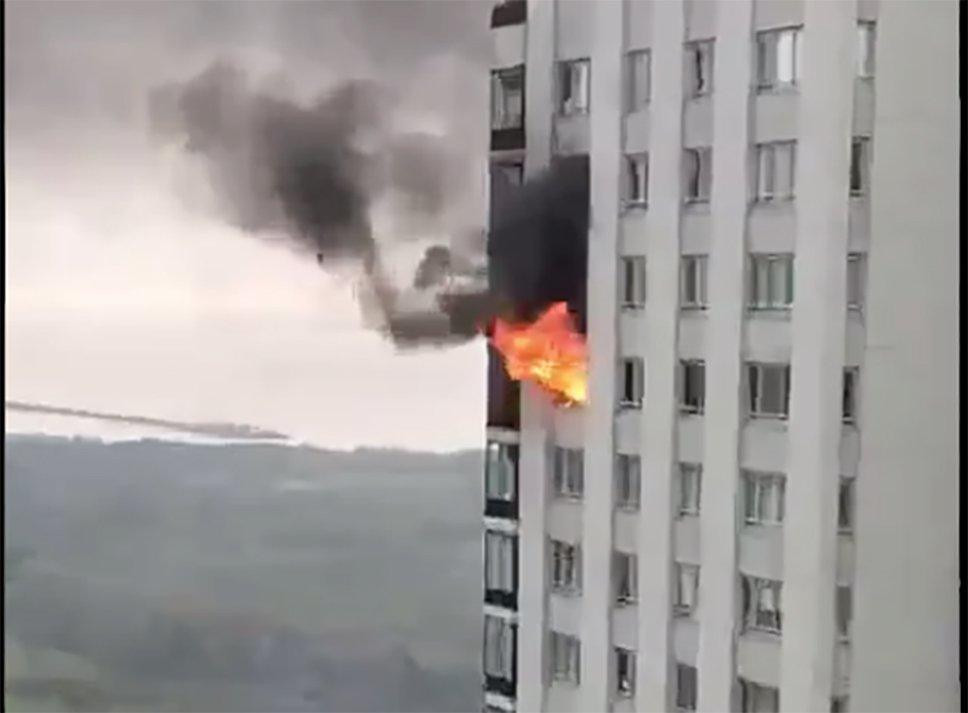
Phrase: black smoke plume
(313,174)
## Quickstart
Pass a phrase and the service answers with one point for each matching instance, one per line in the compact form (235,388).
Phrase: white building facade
(757,509)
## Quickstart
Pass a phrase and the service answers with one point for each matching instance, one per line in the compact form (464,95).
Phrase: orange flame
(549,352)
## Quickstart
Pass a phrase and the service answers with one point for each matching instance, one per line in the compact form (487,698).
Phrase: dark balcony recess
(502,686)
(509,12)
(505,509)
(507,139)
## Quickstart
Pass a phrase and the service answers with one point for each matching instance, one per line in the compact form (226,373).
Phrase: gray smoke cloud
(314,174)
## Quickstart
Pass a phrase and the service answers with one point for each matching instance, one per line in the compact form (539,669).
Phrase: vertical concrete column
(730,199)
(654,692)
(535,410)
(906,621)
(818,329)
(605,155)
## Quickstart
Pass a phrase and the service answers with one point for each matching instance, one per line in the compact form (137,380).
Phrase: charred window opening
(509,12)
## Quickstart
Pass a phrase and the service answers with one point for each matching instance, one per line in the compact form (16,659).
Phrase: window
(633,383)
(573,87)
(762,604)
(501,471)
(778,58)
(856,269)
(759,699)
(690,487)
(626,578)
(508,173)
(633,282)
(499,556)
(771,282)
(865,49)
(692,386)
(699,67)
(838,704)
(507,98)
(686,687)
(565,658)
(845,506)
(851,384)
(639,79)
(624,672)
(498,648)
(636,180)
(769,386)
(692,282)
(566,567)
(764,495)
(569,471)
(687,588)
(698,174)
(859,165)
(844,612)
(775,171)
(628,469)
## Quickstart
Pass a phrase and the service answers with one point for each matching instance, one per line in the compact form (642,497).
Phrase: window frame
(771,149)
(686,606)
(757,489)
(565,649)
(565,579)
(856,262)
(843,612)
(685,671)
(507,461)
(699,264)
(568,472)
(634,102)
(860,166)
(632,269)
(866,49)
(764,263)
(750,689)
(850,395)
(639,196)
(567,66)
(697,165)
(637,383)
(769,40)
(499,96)
(700,60)
(628,481)
(755,372)
(754,587)
(507,567)
(846,505)
(687,367)
(690,499)
(626,579)
(626,657)
(505,654)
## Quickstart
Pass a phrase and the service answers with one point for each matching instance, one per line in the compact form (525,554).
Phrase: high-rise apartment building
(757,509)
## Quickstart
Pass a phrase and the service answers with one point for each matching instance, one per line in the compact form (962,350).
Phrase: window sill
(685,514)
(563,681)
(774,202)
(693,308)
(781,313)
(778,89)
(758,525)
(696,205)
(576,114)
(690,412)
(625,603)
(631,307)
(566,592)
(567,497)
(755,632)
(630,405)
(769,418)
(634,206)
(627,507)
(683,613)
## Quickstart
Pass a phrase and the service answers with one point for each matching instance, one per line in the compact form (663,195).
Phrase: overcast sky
(127,291)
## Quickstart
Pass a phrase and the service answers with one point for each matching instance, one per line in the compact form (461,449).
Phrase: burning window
(692,386)
(639,73)
(859,165)
(699,65)
(762,604)
(844,609)
(500,471)
(690,488)
(855,281)
(865,49)
(573,87)
(624,672)
(687,588)
(628,470)
(636,180)
(507,98)
(499,561)
(769,390)
(758,698)
(851,383)
(698,174)
(498,648)
(633,282)
(633,383)
(764,496)
(569,472)
(565,567)
(845,506)
(778,58)
(775,171)
(771,282)
(626,578)
(565,658)
(692,282)
(686,687)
